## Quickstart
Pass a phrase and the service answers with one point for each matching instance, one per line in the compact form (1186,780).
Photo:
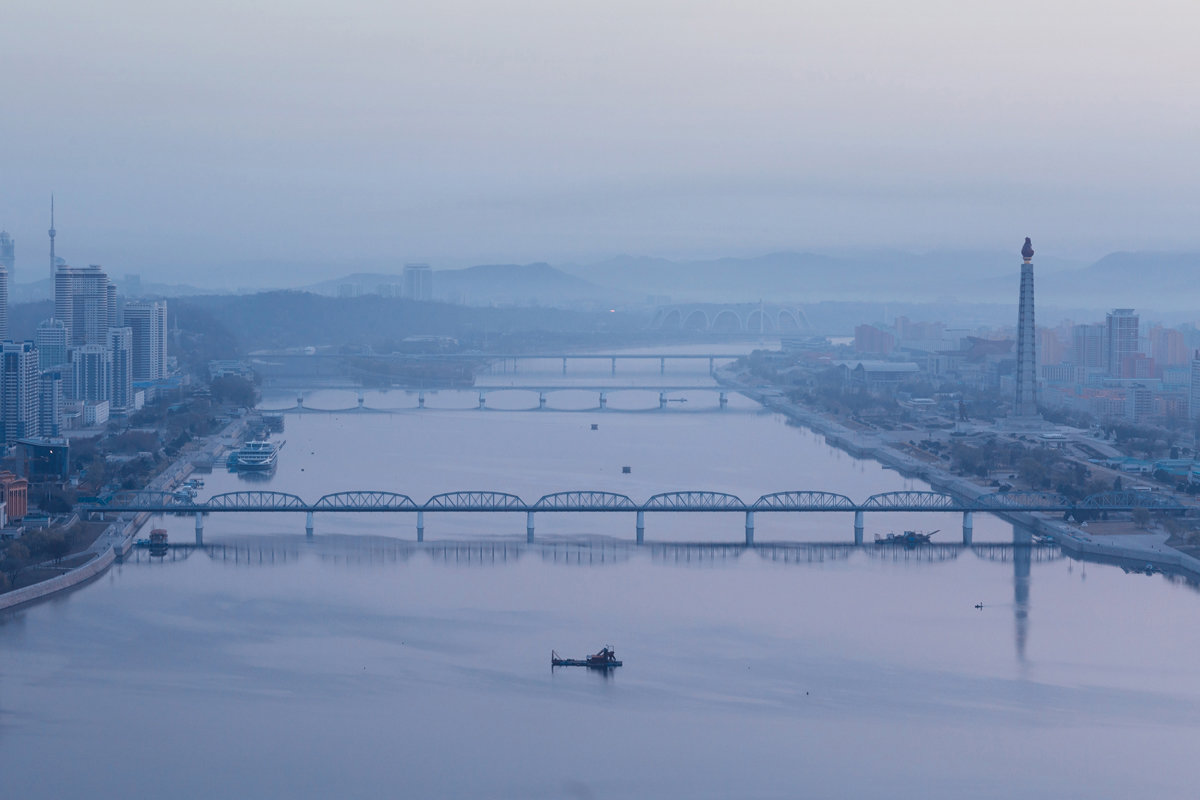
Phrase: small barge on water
(605,659)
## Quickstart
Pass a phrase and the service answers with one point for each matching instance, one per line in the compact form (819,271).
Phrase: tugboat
(605,659)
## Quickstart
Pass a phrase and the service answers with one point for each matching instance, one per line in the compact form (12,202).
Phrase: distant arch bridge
(732,318)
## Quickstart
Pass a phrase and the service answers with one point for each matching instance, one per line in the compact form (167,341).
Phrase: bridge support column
(482,400)
(858,527)
(299,401)
(308,524)
(968,527)
(641,527)
(711,370)
(662,399)
(564,365)
(420,526)
(603,400)
(724,400)
(614,366)
(360,399)
(749,528)
(541,399)
(662,366)
(199,529)
(529,526)
(420,399)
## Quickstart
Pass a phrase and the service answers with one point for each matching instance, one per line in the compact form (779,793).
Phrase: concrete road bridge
(604,502)
(543,392)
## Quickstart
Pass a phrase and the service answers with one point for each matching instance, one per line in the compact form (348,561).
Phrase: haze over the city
(186,141)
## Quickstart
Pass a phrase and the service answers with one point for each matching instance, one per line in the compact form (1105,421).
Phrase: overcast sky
(195,135)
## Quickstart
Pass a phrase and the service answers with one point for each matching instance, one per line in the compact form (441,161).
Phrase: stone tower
(1025,402)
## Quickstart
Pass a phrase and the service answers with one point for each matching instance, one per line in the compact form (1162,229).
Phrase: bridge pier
(564,365)
(662,399)
(420,526)
(724,400)
(299,401)
(541,399)
(641,527)
(858,527)
(308,524)
(360,399)
(199,529)
(711,370)
(529,526)
(749,528)
(968,527)
(662,366)
(420,399)
(603,400)
(482,400)
(614,365)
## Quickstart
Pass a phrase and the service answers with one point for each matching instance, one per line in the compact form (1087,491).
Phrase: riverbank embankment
(1147,548)
(117,540)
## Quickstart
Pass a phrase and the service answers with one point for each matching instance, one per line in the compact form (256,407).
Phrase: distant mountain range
(1150,281)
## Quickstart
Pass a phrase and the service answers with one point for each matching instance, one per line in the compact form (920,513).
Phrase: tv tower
(53,260)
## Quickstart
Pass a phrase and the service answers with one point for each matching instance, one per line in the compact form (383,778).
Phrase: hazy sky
(182,135)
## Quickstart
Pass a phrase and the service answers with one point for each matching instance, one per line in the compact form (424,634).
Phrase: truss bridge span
(606,502)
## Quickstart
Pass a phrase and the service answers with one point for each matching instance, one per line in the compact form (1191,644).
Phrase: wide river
(361,664)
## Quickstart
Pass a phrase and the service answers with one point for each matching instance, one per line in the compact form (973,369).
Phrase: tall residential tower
(1025,403)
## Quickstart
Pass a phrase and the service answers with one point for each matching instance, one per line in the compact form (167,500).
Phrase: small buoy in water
(626,470)
(595,427)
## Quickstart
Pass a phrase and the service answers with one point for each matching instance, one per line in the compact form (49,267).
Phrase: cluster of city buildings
(98,354)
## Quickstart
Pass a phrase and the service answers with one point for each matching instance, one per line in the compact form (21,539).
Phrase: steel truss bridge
(591,502)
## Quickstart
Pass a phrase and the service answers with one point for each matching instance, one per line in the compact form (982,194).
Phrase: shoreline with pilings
(1150,548)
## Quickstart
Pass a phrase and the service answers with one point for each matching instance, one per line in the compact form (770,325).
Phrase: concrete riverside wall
(65,581)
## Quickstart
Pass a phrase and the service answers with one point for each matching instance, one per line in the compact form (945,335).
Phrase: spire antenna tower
(53,260)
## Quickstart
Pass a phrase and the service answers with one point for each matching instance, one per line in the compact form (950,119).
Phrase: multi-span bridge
(543,391)
(603,502)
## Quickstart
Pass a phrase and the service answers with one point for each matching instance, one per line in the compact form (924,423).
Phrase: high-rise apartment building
(8,252)
(1120,338)
(84,300)
(1168,347)
(50,406)
(51,341)
(121,344)
(1194,388)
(1087,347)
(4,277)
(19,390)
(148,323)
(1025,403)
(91,365)
(418,282)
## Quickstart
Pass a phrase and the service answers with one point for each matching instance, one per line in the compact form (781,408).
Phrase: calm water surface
(362,665)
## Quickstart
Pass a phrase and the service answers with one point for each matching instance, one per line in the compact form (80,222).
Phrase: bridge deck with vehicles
(592,501)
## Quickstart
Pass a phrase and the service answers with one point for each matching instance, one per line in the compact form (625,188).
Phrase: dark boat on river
(908,538)
(605,659)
